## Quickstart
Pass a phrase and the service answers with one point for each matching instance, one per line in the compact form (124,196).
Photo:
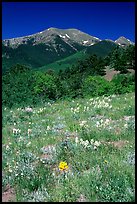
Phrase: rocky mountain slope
(123,41)
(52,45)
(48,36)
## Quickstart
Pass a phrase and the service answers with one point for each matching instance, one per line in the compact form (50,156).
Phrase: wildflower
(83,123)
(7,147)
(107,121)
(48,128)
(126,125)
(86,143)
(16,130)
(105,161)
(96,143)
(71,109)
(101,120)
(76,140)
(63,166)
(81,141)
(29,131)
(28,144)
(97,123)
(91,141)
(27,109)
(10,170)
(87,108)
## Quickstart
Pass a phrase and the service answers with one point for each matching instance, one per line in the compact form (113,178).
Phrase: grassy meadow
(94,136)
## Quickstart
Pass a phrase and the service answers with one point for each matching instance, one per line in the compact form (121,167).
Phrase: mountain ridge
(54,44)
(57,30)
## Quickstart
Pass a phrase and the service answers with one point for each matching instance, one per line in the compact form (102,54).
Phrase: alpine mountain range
(53,45)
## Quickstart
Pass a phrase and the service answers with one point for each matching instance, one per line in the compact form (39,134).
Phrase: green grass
(98,173)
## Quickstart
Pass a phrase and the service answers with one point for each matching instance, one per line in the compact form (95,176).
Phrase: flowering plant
(63,166)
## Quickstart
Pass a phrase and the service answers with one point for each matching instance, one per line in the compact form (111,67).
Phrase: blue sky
(105,20)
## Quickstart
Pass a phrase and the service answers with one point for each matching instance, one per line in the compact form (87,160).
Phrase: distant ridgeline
(56,49)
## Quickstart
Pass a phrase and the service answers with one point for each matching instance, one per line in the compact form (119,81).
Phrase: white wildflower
(91,141)
(87,108)
(96,143)
(126,125)
(71,109)
(101,120)
(86,143)
(107,121)
(82,123)
(95,147)
(48,127)
(28,109)
(7,147)
(10,170)
(76,140)
(29,143)
(81,141)
(29,131)
(16,131)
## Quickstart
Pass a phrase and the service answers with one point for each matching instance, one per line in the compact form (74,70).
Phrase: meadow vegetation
(95,137)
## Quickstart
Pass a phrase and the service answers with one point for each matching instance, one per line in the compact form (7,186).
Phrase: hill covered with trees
(22,85)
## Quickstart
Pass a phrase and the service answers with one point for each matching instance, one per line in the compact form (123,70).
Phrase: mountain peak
(52,28)
(123,41)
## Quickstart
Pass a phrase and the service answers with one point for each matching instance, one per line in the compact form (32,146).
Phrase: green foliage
(92,65)
(96,86)
(22,85)
(45,86)
(122,59)
(123,83)
(17,86)
(130,56)
(36,55)
(101,49)
(43,56)
(118,60)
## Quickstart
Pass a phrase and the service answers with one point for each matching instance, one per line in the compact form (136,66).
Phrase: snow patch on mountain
(62,36)
(67,35)
(85,41)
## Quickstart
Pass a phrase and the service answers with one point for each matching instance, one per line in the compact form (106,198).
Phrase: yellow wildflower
(105,161)
(63,166)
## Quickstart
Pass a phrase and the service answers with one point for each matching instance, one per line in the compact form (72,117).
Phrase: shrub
(96,86)
(123,83)
(17,86)
(45,86)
